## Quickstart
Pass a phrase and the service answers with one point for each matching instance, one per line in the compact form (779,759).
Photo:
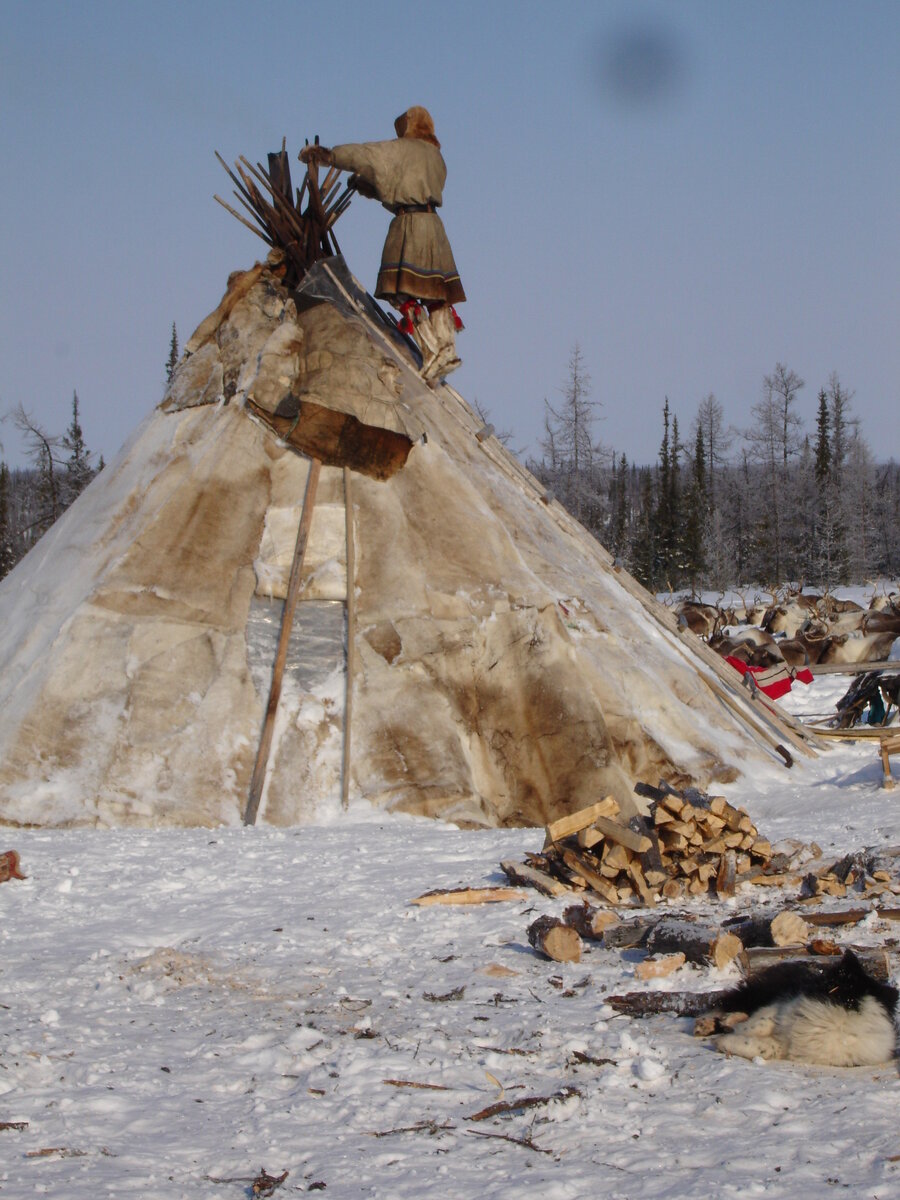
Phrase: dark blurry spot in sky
(641,66)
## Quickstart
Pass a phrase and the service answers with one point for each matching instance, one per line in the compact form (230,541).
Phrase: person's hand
(315,155)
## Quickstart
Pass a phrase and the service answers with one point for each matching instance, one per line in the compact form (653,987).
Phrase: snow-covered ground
(181,1008)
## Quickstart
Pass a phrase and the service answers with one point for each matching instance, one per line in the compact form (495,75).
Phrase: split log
(464,895)
(556,940)
(659,968)
(577,862)
(637,877)
(725,876)
(617,832)
(525,876)
(565,826)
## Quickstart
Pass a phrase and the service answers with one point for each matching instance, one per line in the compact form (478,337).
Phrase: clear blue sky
(692,191)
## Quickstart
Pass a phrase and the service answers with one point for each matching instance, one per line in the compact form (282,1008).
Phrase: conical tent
(462,647)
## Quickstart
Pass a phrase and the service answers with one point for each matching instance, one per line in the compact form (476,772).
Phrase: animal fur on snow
(841,1017)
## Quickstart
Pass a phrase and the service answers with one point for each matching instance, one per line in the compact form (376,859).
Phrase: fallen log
(698,943)
(682,1004)
(785,928)
(556,940)
(592,924)
(754,959)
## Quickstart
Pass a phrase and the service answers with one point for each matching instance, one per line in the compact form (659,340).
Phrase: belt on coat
(402,209)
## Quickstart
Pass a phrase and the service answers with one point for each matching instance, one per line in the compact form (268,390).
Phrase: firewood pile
(690,844)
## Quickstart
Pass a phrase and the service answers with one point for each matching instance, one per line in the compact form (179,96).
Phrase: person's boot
(442,332)
(427,339)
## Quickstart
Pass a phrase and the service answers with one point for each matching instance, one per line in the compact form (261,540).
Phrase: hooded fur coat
(417,261)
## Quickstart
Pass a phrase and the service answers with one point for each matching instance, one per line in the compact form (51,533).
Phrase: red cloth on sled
(774,681)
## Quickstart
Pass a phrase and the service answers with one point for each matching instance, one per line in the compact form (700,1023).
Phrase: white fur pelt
(839,1016)
(812,1031)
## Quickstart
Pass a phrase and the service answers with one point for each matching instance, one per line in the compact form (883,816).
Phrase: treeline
(721,507)
(32,499)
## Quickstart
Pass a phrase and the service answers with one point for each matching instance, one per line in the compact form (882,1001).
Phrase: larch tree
(42,449)
(716,440)
(569,441)
(774,438)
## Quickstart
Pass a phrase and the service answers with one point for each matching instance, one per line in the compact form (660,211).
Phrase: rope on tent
(287,622)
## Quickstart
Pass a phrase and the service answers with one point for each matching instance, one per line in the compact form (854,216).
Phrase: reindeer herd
(797,628)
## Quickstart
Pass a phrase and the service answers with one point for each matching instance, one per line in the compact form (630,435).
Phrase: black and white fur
(837,1017)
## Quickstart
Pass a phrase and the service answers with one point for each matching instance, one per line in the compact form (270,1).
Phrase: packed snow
(183,1008)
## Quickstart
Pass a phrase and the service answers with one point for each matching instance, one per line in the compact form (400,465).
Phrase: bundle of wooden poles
(305,235)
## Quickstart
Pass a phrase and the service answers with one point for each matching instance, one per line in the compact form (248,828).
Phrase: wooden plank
(287,623)
(858,733)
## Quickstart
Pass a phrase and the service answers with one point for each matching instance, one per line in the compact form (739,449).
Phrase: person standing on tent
(418,275)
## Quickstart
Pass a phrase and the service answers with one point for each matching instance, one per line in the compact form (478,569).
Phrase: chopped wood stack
(690,844)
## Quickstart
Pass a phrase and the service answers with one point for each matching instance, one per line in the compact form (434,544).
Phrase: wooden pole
(287,621)
(351,638)
(860,668)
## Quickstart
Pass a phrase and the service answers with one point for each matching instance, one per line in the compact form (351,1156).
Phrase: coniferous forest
(32,499)
(766,504)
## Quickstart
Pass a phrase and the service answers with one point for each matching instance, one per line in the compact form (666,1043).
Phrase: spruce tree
(7,548)
(79,471)
(696,514)
(823,441)
(643,547)
(620,507)
(172,360)
(667,532)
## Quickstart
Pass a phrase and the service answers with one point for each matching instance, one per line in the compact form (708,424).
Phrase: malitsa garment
(417,261)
